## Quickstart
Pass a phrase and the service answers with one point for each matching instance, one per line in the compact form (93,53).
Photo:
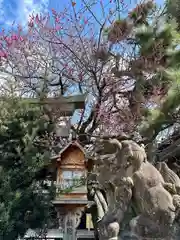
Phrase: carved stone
(69,221)
(168,175)
(128,179)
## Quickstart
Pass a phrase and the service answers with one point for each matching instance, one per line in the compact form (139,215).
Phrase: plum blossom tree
(123,60)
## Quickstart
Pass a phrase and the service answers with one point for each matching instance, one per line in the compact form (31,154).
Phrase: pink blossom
(57,27)
(21,39)
(8,41)
(85,21)
(3,54)
(14,37)
(57,19)
(37,19)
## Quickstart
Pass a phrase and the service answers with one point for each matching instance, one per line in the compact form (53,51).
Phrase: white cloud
(27,7)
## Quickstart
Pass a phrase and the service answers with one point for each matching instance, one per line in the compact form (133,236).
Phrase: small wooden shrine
(71,194)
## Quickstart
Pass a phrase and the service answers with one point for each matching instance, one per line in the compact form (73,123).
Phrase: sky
(19,10)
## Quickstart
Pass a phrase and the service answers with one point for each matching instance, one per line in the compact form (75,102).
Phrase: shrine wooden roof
(72,143)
